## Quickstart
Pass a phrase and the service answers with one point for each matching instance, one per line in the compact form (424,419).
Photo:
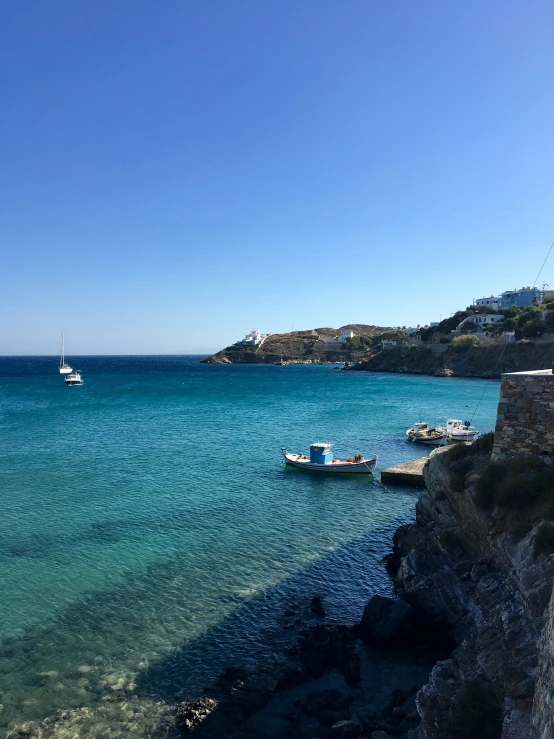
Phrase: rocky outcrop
(386,621)
(481,361)
(295,347)
(476,572)
(543,705)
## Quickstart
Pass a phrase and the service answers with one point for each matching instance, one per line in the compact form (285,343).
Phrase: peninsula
(309,347)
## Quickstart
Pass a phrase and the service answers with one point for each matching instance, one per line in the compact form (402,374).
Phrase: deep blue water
(150,532)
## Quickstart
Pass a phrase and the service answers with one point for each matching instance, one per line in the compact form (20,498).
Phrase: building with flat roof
(254,338)
(491,302)
(518,297)
(481,320)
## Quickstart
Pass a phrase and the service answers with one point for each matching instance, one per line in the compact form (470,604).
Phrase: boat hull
(366,467)
(456,438)
(428,441)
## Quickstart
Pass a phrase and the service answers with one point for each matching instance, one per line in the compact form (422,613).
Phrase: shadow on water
(257,630)
(147,628)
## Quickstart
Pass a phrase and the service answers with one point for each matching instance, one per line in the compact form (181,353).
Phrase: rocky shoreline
(485,361)
(481,362)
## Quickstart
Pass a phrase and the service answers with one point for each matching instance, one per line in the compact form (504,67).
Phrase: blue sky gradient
(175,174)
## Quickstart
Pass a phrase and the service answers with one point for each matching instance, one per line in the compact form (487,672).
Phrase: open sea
(150,534)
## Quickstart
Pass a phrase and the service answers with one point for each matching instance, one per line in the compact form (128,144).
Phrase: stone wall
(525,419)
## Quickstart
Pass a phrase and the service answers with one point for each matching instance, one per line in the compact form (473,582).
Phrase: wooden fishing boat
(321,460)
(421,433)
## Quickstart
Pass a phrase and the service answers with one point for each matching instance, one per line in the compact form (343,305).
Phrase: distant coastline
(441,360)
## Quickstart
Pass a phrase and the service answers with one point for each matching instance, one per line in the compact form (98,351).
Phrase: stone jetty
(408,473)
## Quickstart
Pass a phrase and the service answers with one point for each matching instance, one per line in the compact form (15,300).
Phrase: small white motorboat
(65,369)
(321,460)
(73,379)
(456,430)
(421,433)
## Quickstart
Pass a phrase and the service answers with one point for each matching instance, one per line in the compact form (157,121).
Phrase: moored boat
(321,460)
(456,430)
(65,369)
(73,379)
(421,433)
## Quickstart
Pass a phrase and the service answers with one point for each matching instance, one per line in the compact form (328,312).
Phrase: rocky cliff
(478,562)
(480,361)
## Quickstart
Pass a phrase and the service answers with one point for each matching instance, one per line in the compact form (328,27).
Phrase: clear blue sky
(174,174)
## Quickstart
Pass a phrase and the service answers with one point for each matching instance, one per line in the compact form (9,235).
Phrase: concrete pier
(408,473)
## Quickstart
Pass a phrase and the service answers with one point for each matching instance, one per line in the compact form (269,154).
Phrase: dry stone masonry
(525,419)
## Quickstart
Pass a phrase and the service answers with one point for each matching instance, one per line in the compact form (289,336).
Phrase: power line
(541,269)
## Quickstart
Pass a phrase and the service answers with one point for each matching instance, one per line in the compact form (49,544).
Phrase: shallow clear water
(150,531)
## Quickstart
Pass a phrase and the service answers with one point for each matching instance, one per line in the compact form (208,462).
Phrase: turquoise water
(150,533)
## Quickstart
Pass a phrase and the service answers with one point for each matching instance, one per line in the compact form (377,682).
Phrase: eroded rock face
(460,567)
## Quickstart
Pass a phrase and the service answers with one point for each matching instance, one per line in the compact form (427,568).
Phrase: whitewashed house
(254,338)
(388,343)
(491,302)
(341,338)
(481,320)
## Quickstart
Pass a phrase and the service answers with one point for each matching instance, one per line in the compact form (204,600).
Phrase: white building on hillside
(410,330)
(388,342)
(491,302)
(481,320)
(341,338)
(254,338)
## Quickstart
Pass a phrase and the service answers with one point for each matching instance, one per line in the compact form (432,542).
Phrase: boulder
(386,621)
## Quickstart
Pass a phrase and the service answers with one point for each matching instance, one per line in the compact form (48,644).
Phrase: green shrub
(488,481)
(483,444)
(515,493)
(458,451)
(462,466)
(544,540)
(529,329)
(465,341)
(516,485)
(519,465)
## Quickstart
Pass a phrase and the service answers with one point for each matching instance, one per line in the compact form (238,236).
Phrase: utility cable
(541,269)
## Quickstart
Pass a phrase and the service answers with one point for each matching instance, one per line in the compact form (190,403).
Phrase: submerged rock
(386,621)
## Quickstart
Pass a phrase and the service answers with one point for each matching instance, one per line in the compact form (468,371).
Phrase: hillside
(479,361)
(295,346)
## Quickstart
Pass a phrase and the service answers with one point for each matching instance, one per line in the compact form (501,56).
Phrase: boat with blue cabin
(321,460)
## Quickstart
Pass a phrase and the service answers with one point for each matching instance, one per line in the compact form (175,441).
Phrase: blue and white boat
(321,460)
(74,379)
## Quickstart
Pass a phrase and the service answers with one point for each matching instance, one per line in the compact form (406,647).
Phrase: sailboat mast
(62,358)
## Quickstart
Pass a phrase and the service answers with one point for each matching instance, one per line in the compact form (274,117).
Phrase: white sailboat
(65,369)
